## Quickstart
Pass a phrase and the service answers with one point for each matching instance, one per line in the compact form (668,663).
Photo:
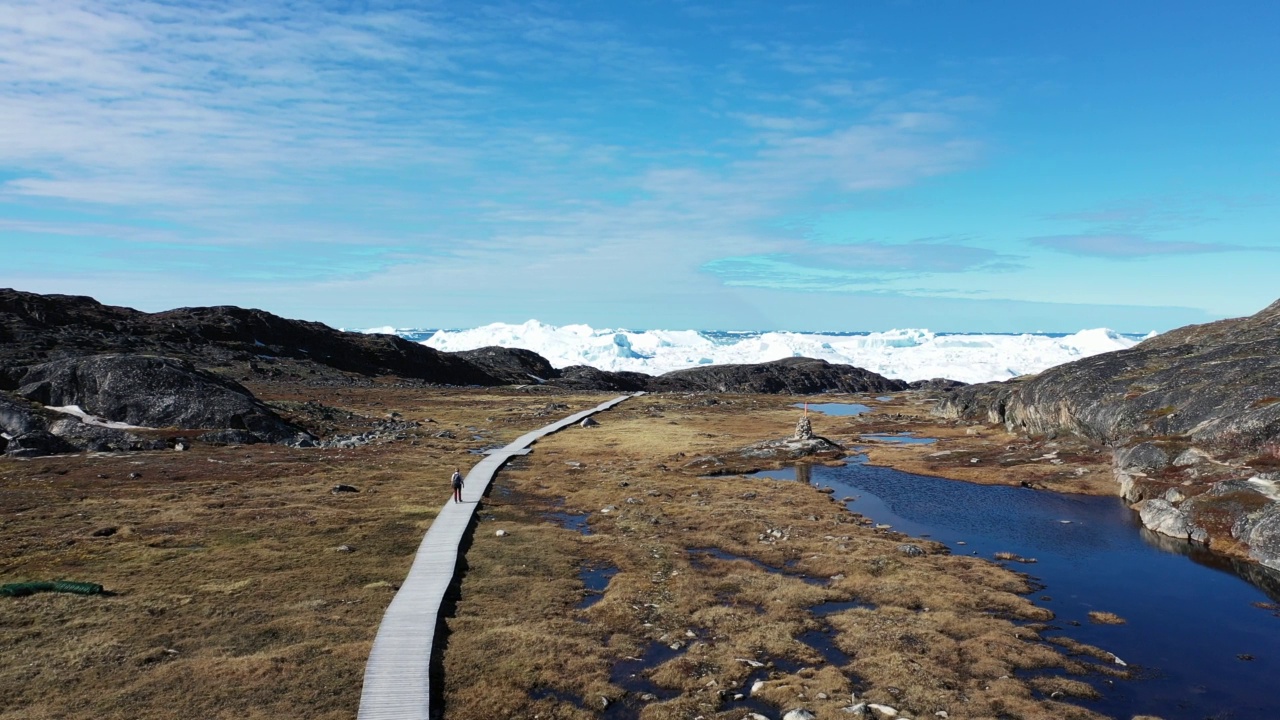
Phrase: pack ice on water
(902,354)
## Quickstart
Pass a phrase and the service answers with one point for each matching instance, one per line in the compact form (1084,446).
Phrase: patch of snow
(1267,487)
(88,419)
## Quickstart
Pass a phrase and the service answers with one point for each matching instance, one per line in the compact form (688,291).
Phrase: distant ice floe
(907,354)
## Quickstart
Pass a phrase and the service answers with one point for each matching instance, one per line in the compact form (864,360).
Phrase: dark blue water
(1190,615)
(835,408)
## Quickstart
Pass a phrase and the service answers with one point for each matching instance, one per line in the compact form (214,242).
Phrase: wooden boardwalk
(397,680)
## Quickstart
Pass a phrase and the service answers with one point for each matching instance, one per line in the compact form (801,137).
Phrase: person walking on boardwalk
(456,482)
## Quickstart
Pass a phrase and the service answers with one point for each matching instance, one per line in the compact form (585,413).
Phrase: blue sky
(982,166)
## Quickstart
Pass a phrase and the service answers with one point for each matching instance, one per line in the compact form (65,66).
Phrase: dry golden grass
(1105,618)
(229,598)
(232,600)
(724,569)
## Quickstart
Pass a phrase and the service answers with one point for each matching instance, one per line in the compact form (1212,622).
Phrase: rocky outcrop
(108,396)
(512,366)
(935,384)
(585,377)
(1197,408)
(797,376)
(1215,385)
(39,328)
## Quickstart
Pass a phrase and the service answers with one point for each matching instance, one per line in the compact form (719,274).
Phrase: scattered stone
(134,475)
(104,532)
(884,710)
(799,714)
(344,548)
(501,533)
(757,686)
(609,508)
(589,422)
(911,550)
(340,488)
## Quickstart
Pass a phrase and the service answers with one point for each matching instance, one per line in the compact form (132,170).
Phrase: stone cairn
(804,430)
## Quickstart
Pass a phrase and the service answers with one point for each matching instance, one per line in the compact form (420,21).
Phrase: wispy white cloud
(1132,247)
(857,266)
(477,137)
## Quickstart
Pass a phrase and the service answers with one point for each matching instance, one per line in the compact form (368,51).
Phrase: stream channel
(1202,631)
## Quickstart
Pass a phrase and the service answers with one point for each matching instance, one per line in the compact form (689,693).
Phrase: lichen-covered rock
(1143,457)
(1162,517)
(1207,395)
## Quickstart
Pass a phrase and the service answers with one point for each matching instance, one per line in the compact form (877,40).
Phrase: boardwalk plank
(397,681)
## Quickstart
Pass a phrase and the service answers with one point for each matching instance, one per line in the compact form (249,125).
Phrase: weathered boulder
(18,417)
(1161,516)
(1260,530)
(1144,457)
(152,392)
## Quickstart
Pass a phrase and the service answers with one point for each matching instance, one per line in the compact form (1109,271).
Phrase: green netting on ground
(66,586)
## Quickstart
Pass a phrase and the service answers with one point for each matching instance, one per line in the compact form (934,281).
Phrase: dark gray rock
(1144,457)
(1217,385)
(37,443)
(797,375)
(152,392)
(513,366)
(37,328)
(585,377)
(935,384)
(18,417)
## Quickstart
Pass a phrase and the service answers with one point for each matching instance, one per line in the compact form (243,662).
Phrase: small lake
(1199,645)
(836,408)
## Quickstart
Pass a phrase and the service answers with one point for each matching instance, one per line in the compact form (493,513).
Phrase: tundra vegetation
(242,585)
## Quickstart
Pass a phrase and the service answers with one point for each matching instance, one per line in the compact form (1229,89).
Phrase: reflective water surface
(1201,645)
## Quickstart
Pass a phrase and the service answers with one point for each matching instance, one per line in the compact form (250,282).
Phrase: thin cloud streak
(1133,247)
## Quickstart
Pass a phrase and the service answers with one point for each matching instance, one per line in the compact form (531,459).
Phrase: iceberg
(905,354)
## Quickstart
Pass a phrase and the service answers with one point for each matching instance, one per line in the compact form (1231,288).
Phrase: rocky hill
(37,328)
(1192,415)
(796,375)
(178,370)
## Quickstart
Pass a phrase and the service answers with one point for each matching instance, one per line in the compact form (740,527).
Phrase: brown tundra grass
(230,598)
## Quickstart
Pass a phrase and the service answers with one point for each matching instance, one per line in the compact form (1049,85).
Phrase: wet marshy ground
(1200,630)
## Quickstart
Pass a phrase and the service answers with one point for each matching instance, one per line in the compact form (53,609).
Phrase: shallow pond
(836,408)
(1201,645)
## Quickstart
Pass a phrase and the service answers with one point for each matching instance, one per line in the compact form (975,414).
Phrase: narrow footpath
(397,679)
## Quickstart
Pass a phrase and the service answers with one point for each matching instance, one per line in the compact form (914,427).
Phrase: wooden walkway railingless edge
(397,676)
